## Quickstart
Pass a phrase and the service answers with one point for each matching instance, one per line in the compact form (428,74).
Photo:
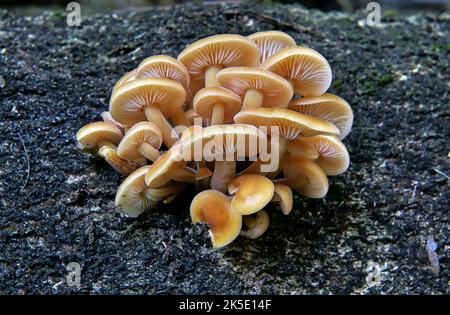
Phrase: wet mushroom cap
(161,66)
(206,98)
(252,192)
(131,196)
(214,208)
(332,157)
(290,124)
(270,42)
(276,91)
(306,177)
(142,132)
(225,50)
(91,134)
(307,70)
(128,102)
(329,107)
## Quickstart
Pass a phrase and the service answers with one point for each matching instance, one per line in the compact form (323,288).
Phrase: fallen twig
(441,173)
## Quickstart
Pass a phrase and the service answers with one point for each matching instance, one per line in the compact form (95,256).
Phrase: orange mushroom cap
(252,192)
(214,208)
(275,91)
(291,124)
(225,50)
(161,66)
(306,177)
(332,155)
(329,107)
(90,135)
(134,144)
(270,42)
(307,70)
(126,105)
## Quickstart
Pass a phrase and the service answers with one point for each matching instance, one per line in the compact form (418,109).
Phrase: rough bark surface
(368,235)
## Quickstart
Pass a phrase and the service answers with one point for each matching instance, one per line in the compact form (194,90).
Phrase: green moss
(385,79)
(368,88)
(337,85)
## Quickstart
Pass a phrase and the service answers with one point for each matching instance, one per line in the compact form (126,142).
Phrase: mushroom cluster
(190,121)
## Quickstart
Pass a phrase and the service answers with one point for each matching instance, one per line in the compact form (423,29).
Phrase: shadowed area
(368,235)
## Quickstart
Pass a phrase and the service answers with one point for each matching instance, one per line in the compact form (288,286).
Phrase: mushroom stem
(182,174)
(252,99)
(154,115)
(157,194)
(282,149)
(179,118)
(210,76)
(120,165)
(223,174)
(218,114)
(106,143)
(255,167)
(149,152)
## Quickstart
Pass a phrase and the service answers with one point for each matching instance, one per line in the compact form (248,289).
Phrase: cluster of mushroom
(164,114)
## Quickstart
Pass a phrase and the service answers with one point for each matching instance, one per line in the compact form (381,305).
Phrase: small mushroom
(329,107)
(331,154)
(257,87)
(143,140)
(131,196)
(251,192)
(306,177)
(257,226)
(151,99)
(217,104)
(161,66)
(102,138)
(214,208)
(106,116)
(134,197)
(223,144)
(207,56)
(306,69)
(271,42)
(283,195)
(167,67)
